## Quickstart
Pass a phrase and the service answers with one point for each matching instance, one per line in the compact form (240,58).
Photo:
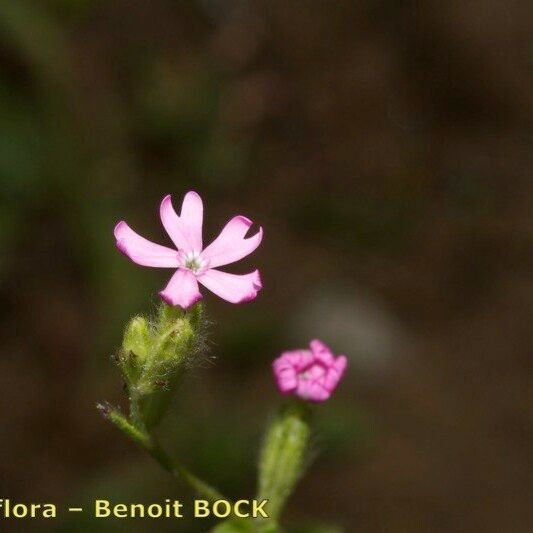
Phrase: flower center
(193,261)
(313,371)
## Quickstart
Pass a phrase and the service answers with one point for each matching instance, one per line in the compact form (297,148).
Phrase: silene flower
(311,374)
(193,262)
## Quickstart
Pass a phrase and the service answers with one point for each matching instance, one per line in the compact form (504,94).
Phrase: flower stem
(148,443)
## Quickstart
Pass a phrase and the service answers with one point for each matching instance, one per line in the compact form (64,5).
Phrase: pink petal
(312,391)
(316,372)
(142,251)
(335,373)
(287,380)
(321,352)
(292,358)
(300,359)
(233,288)
(184,230)
(230,245)
(182,289)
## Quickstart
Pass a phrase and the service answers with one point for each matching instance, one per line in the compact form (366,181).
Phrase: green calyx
(283,456)
(153,357)
(281,464)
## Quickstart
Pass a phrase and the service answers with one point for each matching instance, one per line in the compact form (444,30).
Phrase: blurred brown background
(386,148)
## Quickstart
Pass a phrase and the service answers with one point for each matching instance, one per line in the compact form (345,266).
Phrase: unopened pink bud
(311,374)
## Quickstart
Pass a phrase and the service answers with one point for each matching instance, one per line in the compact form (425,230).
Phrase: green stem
(135,413)
(149,444)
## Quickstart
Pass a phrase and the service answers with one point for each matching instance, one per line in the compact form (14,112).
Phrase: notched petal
(182,289)
(142,251)
(231,244)
(234,288)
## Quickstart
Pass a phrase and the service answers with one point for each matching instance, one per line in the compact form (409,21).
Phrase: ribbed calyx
(283,455)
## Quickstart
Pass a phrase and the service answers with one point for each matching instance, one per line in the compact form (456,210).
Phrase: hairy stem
(148,443)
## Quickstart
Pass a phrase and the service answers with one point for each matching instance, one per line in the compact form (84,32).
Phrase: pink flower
(310,374)
(193,262)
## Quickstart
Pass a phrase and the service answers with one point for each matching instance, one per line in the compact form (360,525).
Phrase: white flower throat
(193,261)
